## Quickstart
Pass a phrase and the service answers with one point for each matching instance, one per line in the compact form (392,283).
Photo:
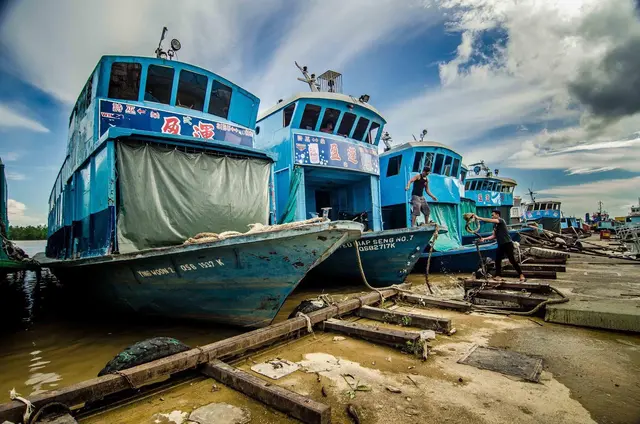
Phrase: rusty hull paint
(387,258)
(224,281)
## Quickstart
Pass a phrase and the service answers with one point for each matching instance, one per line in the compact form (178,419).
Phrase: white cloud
(10,118)
(77,34)
(534,75)
(18,215)
(10,156)
(582,198)
(16,176)
(578,171)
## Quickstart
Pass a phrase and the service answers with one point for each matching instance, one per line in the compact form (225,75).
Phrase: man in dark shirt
(505,245)
(418,202)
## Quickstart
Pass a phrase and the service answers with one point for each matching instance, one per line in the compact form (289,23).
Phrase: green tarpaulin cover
(289,214)
(446,214)
(167,195)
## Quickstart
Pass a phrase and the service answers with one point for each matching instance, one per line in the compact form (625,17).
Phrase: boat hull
(462,259)
(240,281)
(387,258)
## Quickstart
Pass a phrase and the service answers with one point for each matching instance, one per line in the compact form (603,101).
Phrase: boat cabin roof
(318,96)
(415,144)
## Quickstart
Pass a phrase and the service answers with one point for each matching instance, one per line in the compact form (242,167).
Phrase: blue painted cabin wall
(351,191)
(448,189)
(82,204)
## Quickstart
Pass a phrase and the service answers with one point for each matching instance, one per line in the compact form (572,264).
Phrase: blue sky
(546,91)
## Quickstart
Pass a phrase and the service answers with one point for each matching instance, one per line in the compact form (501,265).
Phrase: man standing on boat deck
(505,244)
(418,202)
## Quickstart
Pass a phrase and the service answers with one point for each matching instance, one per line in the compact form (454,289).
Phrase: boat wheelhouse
(159,186)
(546,213)
(490,192)
(326,145)
(633,218)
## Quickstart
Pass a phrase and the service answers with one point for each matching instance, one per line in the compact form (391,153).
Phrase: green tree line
(30,232)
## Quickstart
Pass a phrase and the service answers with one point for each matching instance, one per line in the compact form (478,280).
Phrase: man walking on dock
(505,244)
(418,202)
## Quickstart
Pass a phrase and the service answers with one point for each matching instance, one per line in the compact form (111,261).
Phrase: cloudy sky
(547,91)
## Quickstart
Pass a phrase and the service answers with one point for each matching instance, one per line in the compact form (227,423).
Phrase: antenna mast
(386,139)
(309,79)
(175,46)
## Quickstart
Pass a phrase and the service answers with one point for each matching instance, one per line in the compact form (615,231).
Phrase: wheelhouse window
(159,84)
(287,114)
(456,167)
(220,99)
(191,90)
(437,168)
(447,166)
(124,82)
(329,120)
(373,132)
(361,128)
(463,175)
(394,165)
(429,161)
(310,117)
(466,185)
(346,124)
(417,162)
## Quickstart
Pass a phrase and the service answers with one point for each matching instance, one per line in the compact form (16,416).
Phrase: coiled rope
(29,410)
(469,218)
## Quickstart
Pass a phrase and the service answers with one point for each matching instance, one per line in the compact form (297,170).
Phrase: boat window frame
(463,175)
(455,167)
(346,115)
(286,116)
(324,122)
(419,157)
(307,107)
(364,127)
(438,156)
(133,91)
(375,126)
(396,167)
(146,84)
(191,88)
(225,103)
(446,167)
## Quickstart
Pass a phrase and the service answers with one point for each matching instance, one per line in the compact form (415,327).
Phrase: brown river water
(50,341)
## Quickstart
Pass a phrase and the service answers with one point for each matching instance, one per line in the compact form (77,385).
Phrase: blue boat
(160,152)
(490,192)
(446,181)
(327,163)
(546,214)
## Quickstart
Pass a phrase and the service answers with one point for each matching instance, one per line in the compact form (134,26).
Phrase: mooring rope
(16,396)
(432,243)
(393,286)
(309,326)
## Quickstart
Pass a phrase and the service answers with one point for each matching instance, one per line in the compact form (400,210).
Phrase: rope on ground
(126,377)
(16,396)
(309,326)
(563,299)
(432,243)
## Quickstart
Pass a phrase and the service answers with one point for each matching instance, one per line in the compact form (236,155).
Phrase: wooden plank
(382,335)
(301,407)
(97,388)
(430,301)
(537,267)
(441,325)
(508,285)
(528,300)
(534,260)
(510,273)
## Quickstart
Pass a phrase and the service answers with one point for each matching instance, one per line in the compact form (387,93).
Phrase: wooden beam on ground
(526,300)
(510,273)
(441,325)
(526,266)
(534,260)
(301,407)
(381,335)
(508,285)
(430,301)
(97,388)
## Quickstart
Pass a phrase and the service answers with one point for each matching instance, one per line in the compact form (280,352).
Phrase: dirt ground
(588,375)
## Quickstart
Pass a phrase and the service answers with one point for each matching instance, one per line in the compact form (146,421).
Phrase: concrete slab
(610,314)
(219,413)
(275,368)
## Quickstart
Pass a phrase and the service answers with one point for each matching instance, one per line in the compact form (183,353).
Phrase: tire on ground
(143,352)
